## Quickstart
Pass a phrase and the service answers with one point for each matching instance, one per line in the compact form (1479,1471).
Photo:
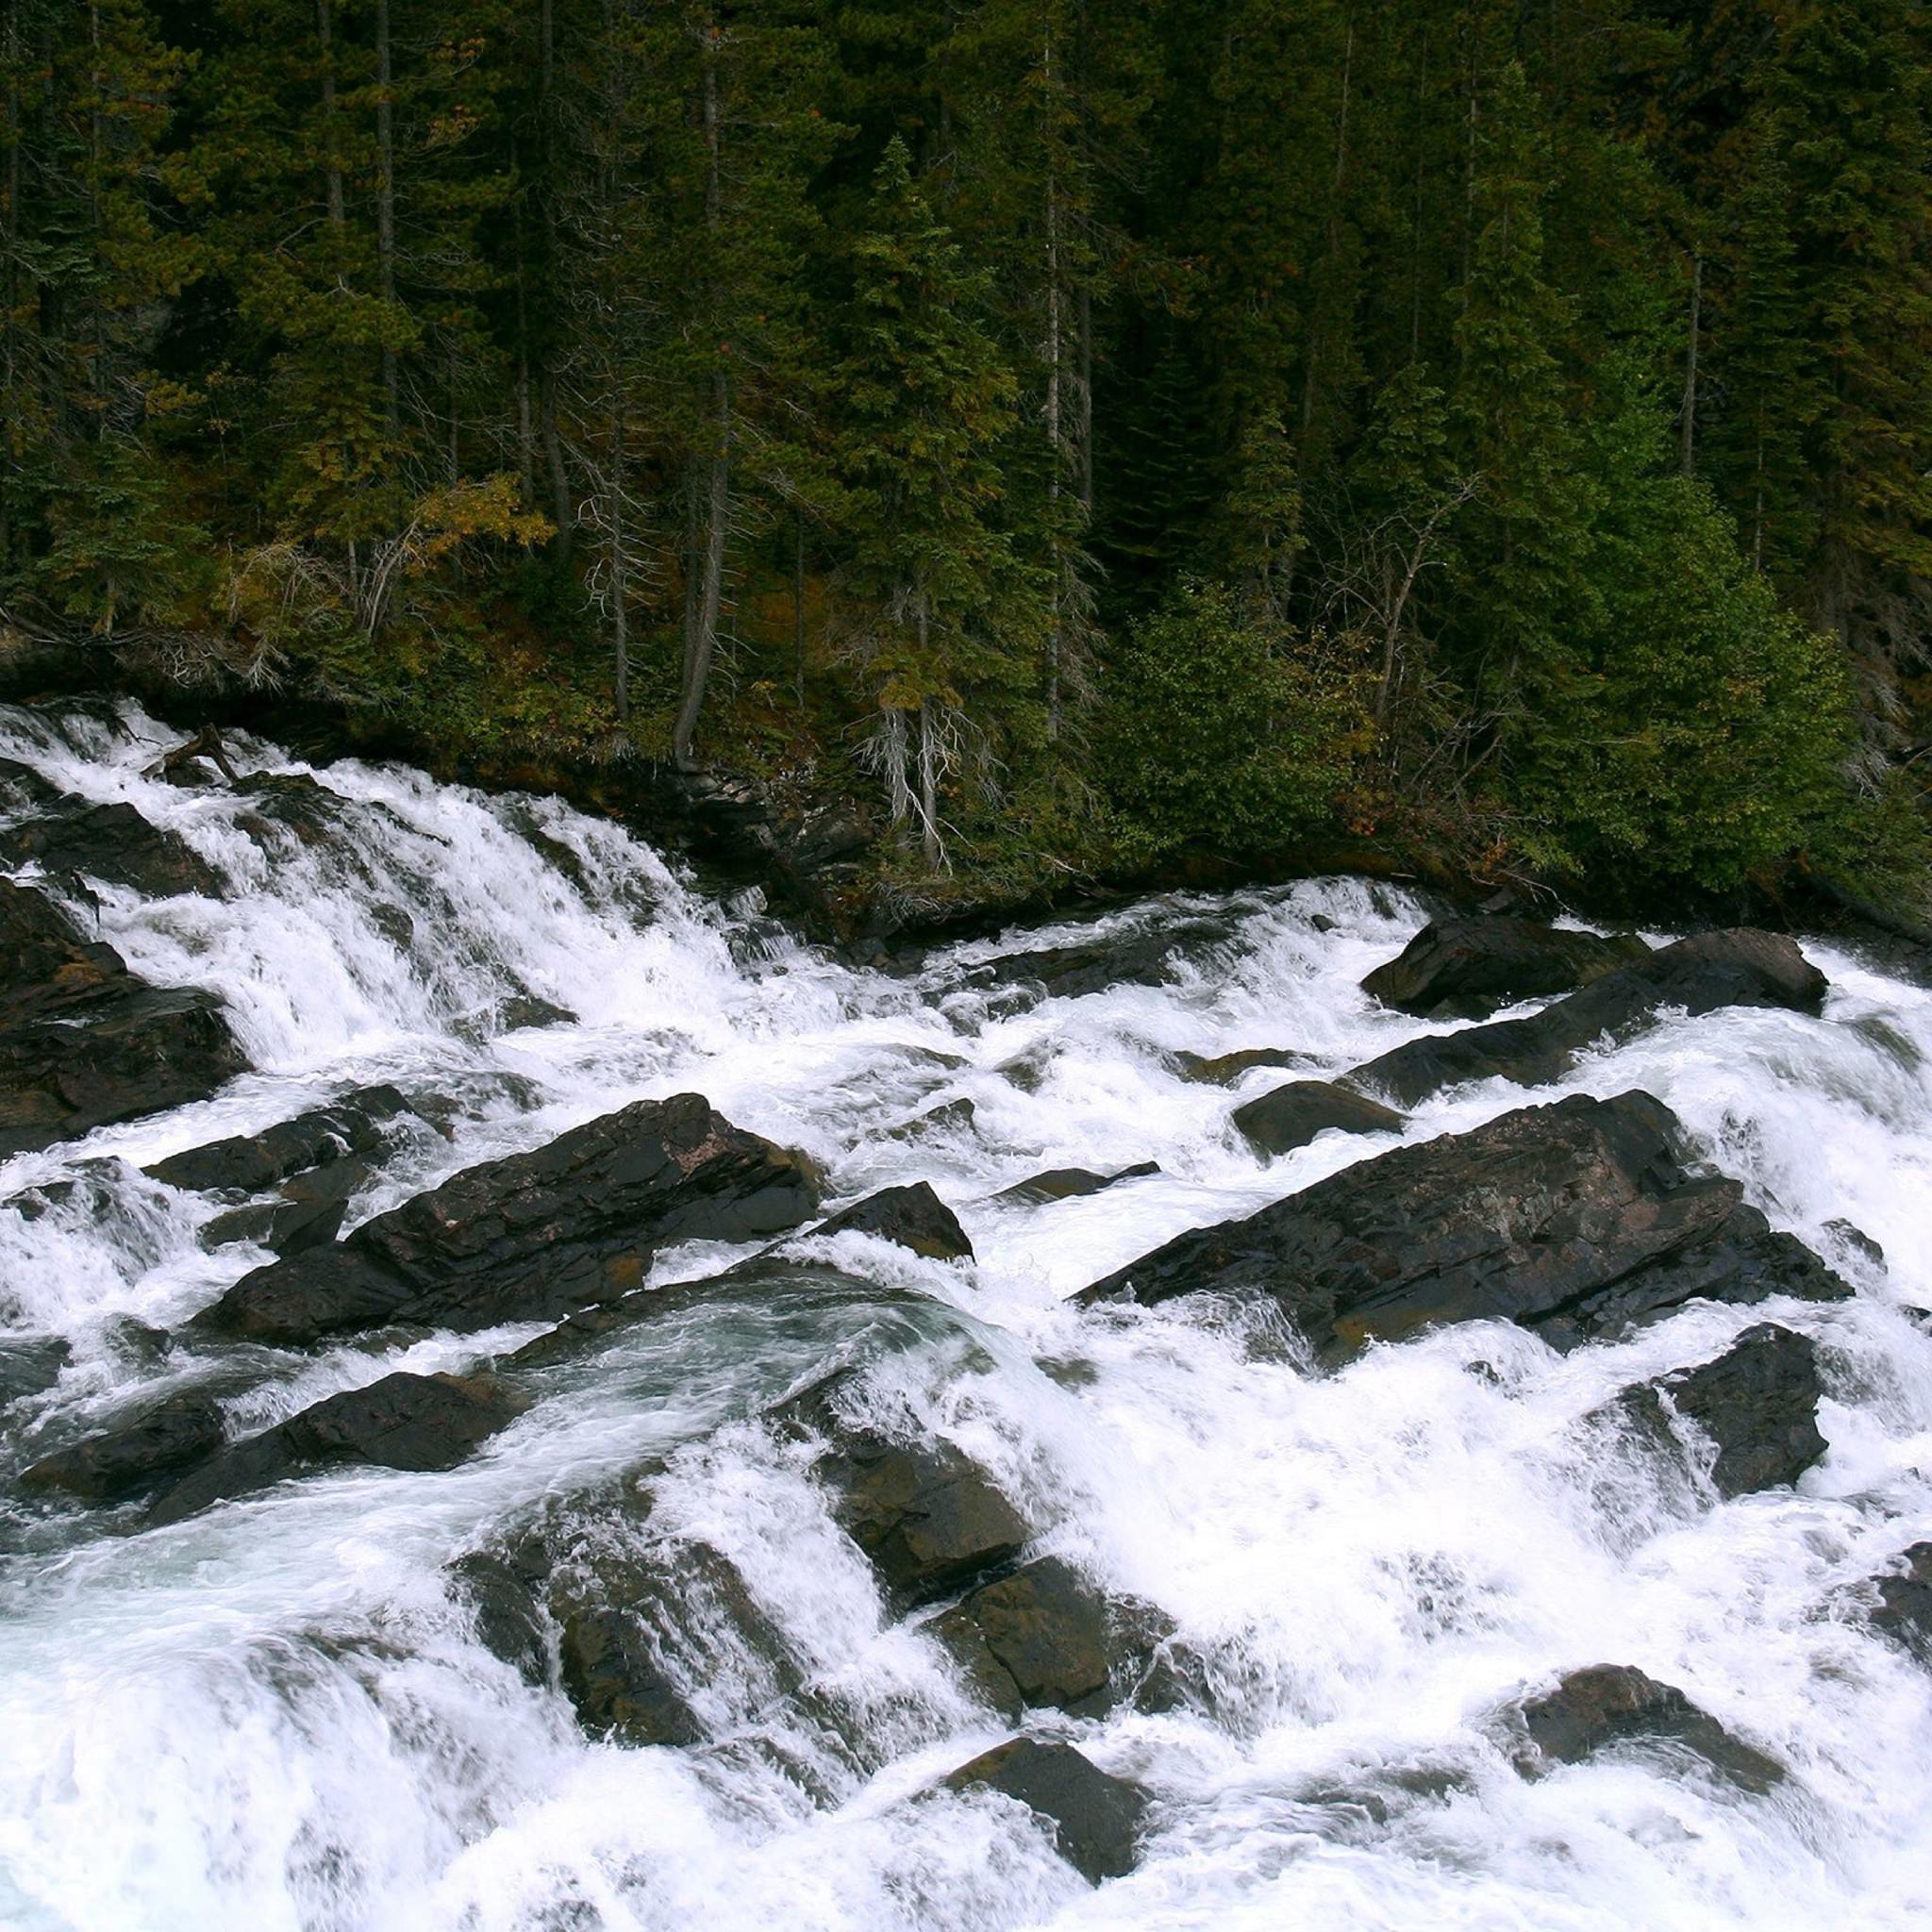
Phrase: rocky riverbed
(531,1399)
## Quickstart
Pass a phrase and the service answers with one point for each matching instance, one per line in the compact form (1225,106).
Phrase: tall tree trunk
(1687,427)
(1317,348)
(385,210)
(702,646)
(929,759)
(798,600)
(1056,465)
(331,148)
(562,510)
(620,556)
(9,291)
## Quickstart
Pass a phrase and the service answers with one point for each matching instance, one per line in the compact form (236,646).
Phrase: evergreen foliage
(1120,430)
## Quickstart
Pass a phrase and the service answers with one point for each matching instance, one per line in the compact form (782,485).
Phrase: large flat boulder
(83,1043)
(111,842)
(1466,968)
(402,1422)
(534,1236)
(1611,1706)
(1096,1819)
(1575,1220)
(1697,976)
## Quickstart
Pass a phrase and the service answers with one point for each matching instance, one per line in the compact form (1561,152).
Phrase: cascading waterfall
(278,1714)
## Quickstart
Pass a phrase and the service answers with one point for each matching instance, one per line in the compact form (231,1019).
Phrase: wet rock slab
(1291,1116)
(534,1236)
(83,1043)
(913,1217)
(1575,1220)
(113,843)
(358,1124)
(1698,975)
(1096,1819)
(1904,1609)
(1609,1706)
(926,1516)
(1044,1637)
(419,1422)
(138,1454)
(1466,968)
(1756,1403)
(1071,1183)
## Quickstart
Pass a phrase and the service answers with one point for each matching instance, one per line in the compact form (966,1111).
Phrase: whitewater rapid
(276,1715)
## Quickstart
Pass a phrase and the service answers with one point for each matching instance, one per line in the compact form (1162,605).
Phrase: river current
(276,1714)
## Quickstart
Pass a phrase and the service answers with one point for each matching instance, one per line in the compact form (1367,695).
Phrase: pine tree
(943,619)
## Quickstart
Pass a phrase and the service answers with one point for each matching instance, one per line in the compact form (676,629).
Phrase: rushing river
(276,1715)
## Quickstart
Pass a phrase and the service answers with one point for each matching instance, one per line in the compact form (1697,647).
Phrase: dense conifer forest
(1094,433)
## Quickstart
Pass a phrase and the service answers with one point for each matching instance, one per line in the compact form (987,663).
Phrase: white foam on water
(276,1715)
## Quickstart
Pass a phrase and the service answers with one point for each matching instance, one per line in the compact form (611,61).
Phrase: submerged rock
(83,1043)
(1904,1611)
(1224,1069)
(1611,1705)
(535,1235)
(1472,966)
(928,1517)
(1107,959)
(913,1216)
(402,1422)
(165,1438)
(1096,1819)
(1699,976)
(1071,1183)
(358,1123)
(1291,1116)
(1575,1220)
(1758,1402)
(1044,1637)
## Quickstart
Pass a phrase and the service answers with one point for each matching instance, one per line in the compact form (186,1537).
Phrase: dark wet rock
(1612,1705)
(1699,976)
(914,1217)
(1472,966)
(1904,1611)
(642,1624)
(22,789)
(305,1212)
(138,1456)
(111,842)
(1045,1637)
(949,1117)
(1226,1069)
(1758,1402)
(929,1518)
(1575,1220)
(636,1648)
(293,801)
(31,1367)
(502,1591)
(359,1123)
(534,1236)
(1071,1183)
(1093,965)
(403,1422)
(1856,1241)
(47,967)
(1096,1819)
(83,1044)
(1291,1116)
(137,1342)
